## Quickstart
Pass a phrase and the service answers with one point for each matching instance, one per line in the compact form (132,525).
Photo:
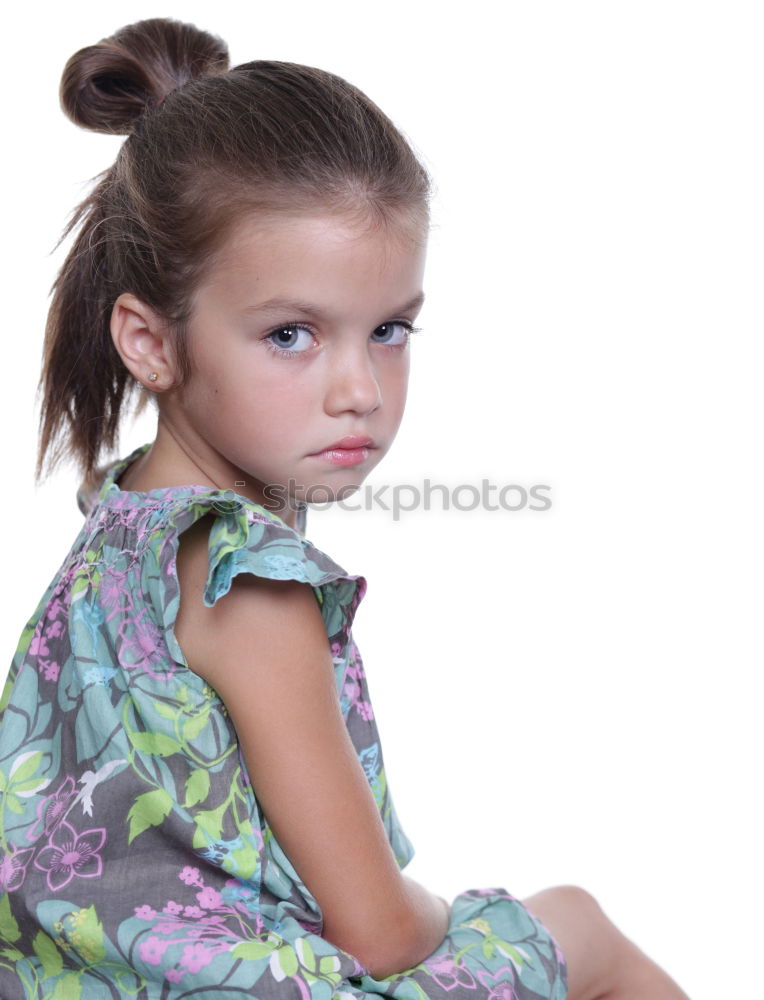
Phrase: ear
(142,340)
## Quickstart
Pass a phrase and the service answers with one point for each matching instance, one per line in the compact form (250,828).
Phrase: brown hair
(205,146)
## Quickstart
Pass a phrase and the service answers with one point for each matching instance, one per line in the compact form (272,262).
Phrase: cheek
(268,404)
(395,386)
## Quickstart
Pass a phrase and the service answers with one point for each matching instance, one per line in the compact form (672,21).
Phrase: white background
(568,696)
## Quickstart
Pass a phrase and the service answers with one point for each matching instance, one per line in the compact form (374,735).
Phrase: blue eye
(286,339)
(294,339)
(393,334)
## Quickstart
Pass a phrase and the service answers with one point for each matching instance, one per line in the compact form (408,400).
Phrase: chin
(322,493)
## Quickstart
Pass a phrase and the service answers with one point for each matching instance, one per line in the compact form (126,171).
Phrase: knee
(576,906)
(579,899)
(592,945)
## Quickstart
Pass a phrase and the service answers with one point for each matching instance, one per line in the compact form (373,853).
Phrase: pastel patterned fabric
(135,858)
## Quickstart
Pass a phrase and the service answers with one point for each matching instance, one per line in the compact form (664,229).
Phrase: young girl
(193,800)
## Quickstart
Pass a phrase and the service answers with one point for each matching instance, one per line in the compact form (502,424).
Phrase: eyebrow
(296,306)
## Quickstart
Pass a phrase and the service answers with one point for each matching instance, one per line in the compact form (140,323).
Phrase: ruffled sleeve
(248,539)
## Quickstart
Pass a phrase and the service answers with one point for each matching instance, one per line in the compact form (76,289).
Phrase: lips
(348,451)
(348,443)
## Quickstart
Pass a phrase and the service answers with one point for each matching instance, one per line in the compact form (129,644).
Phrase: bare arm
(264,649)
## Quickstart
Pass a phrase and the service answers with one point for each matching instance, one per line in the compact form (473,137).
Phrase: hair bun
(107,87)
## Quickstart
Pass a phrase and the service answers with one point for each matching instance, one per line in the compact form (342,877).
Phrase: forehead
(319,250)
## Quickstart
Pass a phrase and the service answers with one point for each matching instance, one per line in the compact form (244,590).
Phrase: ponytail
(206,146)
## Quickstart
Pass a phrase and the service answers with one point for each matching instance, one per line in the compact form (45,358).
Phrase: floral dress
(135,858)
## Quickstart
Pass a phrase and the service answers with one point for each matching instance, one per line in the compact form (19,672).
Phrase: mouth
(348,451)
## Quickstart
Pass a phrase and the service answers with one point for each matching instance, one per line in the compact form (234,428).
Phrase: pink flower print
(365,710)
(499,989)
(168,926)
(502,991)
(113,590)
(142,645)
(56,607)
(357,663)
(152,949)
(69,853)
(13,868)
(173,975)
(192,912)
(38,645)
(52,809)
(209,898)
(145,912)
(336,649)
(352,691)
(195,957)
(191,877)
(50,669)
(54,630)
(447,974)
(172,908)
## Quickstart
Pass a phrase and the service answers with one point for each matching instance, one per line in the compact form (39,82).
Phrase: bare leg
(603,964)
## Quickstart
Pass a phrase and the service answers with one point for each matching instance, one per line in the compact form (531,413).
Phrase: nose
(353,383)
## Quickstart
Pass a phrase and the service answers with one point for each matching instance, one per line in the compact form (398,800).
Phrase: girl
(193,796)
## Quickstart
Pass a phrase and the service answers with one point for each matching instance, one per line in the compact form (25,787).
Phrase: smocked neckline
(110,488)
(111,493)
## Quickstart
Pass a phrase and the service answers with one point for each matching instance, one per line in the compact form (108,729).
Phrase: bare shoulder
(255,612)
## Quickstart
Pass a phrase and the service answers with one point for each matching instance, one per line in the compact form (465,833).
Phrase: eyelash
(284,353)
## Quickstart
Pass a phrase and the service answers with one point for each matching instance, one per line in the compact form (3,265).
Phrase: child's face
(256,416)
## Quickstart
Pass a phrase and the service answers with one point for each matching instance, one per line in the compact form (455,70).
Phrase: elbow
(383,965)
(386,951)
(383,961)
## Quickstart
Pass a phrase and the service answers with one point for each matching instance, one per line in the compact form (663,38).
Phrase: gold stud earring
(153,377)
